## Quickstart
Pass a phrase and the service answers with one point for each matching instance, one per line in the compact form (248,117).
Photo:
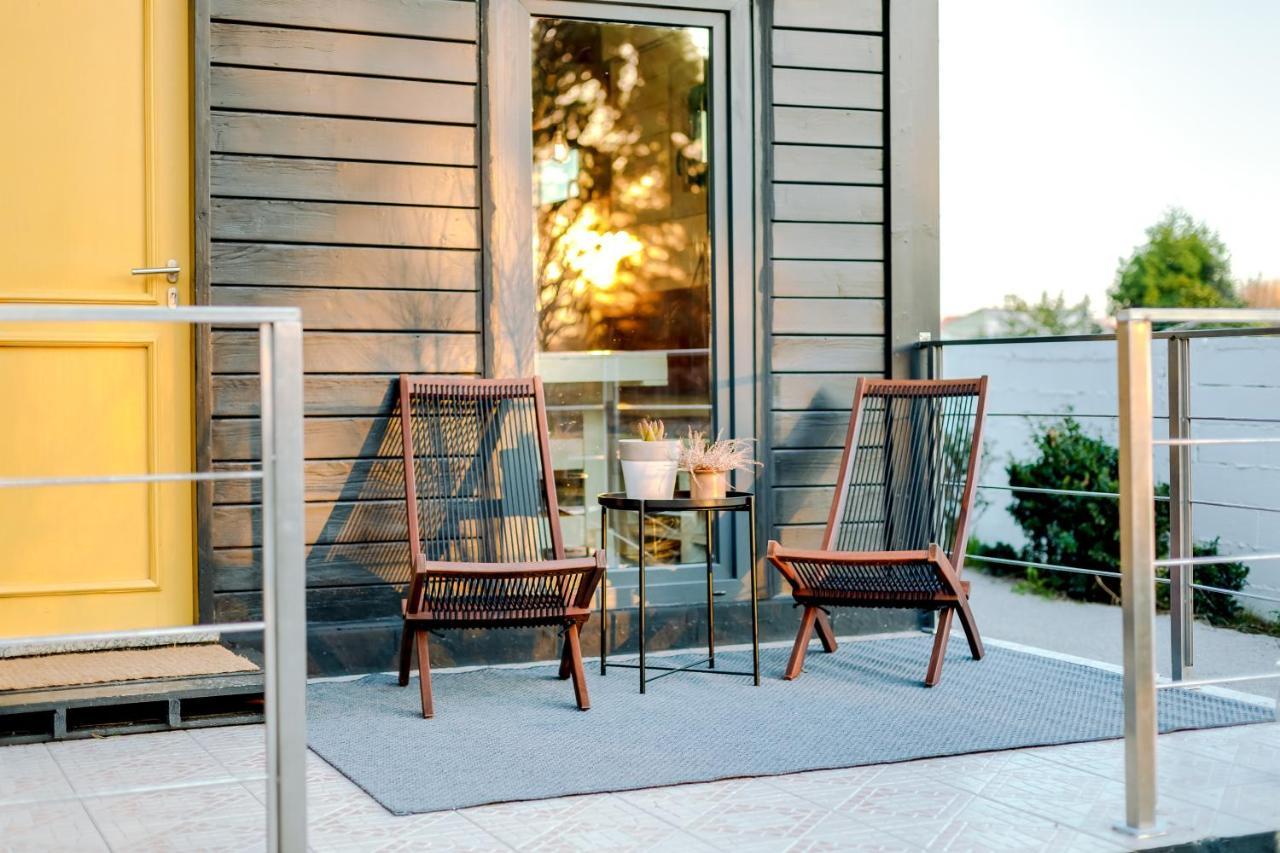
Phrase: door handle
(169,271)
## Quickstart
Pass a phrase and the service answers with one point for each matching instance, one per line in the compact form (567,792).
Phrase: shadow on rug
(515,734)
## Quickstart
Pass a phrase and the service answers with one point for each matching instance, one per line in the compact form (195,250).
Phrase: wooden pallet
(69,713)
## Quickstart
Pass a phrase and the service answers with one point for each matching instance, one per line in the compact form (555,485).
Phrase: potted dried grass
(709,463)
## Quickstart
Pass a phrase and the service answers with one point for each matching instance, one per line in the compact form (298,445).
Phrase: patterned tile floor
(118,794)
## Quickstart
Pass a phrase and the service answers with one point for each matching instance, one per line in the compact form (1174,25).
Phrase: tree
(1051,315)
(1183,264)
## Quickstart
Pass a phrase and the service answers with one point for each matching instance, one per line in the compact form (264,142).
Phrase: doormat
(515,734)
(76,668)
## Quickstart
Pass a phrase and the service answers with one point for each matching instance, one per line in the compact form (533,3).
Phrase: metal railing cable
(283,537)
(1137,534)
(1137,502)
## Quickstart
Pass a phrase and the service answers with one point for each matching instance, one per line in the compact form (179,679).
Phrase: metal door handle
(170,271)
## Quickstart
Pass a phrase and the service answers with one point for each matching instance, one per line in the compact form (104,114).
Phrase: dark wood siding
(826,239)
(342,177)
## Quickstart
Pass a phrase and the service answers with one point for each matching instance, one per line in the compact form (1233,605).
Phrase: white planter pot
(706,485)
(639,450)
(649,468)
(649,480)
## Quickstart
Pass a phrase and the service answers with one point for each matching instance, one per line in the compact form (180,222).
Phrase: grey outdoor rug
(515,734)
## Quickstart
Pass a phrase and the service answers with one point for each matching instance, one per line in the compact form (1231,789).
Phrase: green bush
(1084,531)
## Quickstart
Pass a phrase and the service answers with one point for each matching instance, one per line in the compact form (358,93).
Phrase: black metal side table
(733,502)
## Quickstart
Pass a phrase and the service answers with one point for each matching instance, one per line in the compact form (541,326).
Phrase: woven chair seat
(493,607)
(895,579)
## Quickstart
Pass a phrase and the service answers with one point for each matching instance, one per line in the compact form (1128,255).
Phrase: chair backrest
(479,484)
(910,466)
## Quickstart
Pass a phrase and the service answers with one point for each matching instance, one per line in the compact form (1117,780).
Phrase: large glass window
(622,251)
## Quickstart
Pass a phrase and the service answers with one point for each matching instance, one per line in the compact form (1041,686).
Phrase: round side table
(681,502)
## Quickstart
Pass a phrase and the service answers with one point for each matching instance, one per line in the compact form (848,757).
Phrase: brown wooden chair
(484,527)
(897,529)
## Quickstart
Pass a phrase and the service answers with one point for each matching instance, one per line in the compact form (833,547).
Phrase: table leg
(604,592)
(641,613)
(755,615)
(711,607)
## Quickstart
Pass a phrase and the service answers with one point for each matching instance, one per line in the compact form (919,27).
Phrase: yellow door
(94,181)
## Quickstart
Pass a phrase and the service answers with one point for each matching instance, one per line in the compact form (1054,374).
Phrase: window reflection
(622,247)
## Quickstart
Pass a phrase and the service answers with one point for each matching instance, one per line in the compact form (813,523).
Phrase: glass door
(625,265)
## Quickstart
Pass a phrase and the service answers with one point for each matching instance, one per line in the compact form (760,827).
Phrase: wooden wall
(342,178)
(826,243)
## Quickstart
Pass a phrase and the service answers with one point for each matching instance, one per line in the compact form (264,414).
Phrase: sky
(1069,126)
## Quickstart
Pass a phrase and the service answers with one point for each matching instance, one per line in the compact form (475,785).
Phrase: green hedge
(1085,531)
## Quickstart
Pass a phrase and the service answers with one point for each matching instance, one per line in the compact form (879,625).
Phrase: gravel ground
(1093,631)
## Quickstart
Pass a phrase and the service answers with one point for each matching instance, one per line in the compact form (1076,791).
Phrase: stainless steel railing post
(1137,569)
(1181,595)
(283,534)
(284,584)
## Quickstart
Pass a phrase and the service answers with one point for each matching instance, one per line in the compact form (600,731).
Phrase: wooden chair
(484,527)
(897,529)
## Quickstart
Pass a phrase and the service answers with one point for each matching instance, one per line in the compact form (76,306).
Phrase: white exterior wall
(1231,379)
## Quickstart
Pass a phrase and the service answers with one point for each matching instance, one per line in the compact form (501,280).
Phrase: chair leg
(802,644)
(424,675)
(573,648)
(970,628)
(406,653)
(934,673)
(825,634)
(566,659)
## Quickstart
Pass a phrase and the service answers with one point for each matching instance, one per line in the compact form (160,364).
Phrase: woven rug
(66,670)
(515,734)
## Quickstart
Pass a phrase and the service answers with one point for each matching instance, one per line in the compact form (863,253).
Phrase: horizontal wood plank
(836,51)
(324,604)
(825,354)
(828,316)
(341,53)
(817,164)
(828,278)
(446,19)
(805,467)
(358,352)
(333,180)
(239,440)
(326,523)
(800,536)
(233,88)
(807,87)
(368,310)
(341,564)
(813,391)
(794,430)
(826,241)
(816,126)
(239,396)
(325,480)
(858,15)
(802,505)
(819,203)
(356,139)
(359,224)
(345,266)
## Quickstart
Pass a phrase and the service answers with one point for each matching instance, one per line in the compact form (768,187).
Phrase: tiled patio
(111,794)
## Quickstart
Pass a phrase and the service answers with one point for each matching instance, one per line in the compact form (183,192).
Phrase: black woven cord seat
(897,528)
(484,527)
